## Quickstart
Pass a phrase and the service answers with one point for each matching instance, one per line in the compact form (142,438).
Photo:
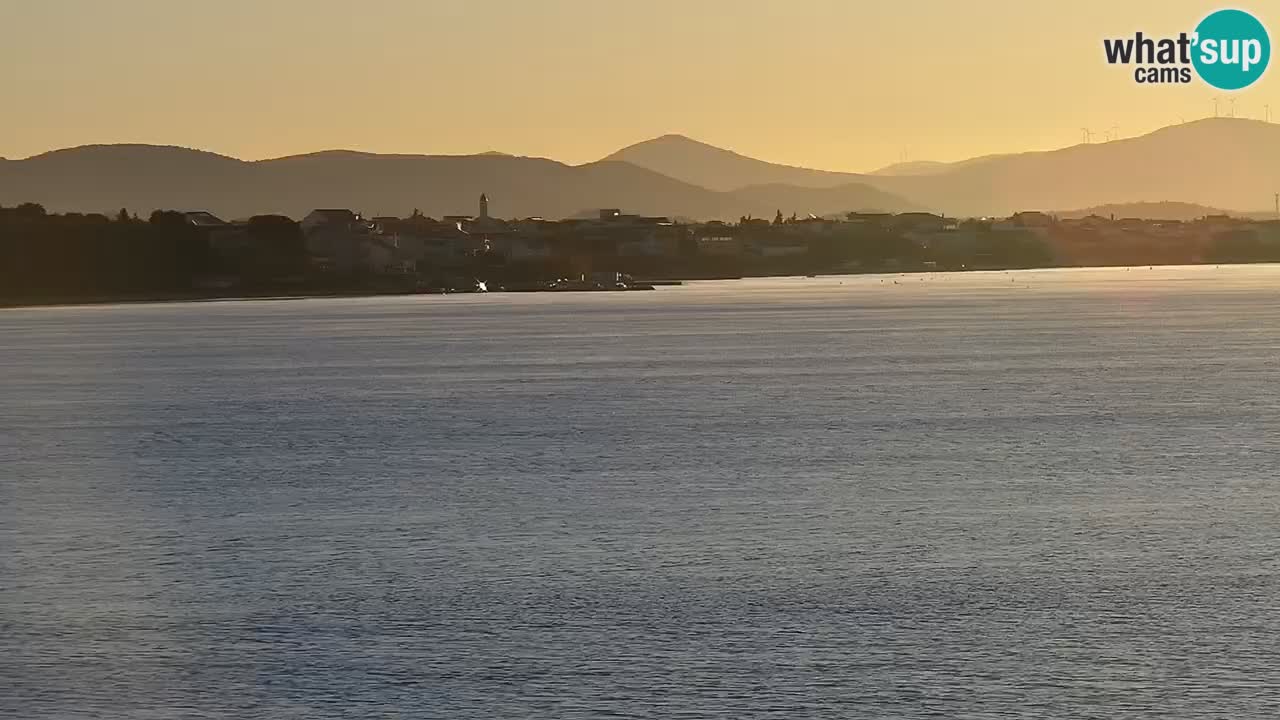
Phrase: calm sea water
(1047,494)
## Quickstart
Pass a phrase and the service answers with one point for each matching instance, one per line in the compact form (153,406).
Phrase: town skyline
(53,258)
(804,84)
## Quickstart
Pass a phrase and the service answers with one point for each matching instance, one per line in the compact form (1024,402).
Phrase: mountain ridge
(1167,163)
(104,178)
(1214,163)
(717,168)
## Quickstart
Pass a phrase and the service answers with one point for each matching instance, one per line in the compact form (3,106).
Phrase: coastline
(65,301)
(198,297)
(193,297)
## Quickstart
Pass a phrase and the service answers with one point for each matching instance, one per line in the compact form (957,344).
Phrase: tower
(484,206)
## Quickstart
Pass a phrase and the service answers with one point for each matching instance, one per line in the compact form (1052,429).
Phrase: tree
(1243,246)
(168,218)
(122,216)
(174,251)
(30,210)
(278,247)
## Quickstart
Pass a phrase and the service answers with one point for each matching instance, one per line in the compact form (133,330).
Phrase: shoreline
(158,298)
(166,298)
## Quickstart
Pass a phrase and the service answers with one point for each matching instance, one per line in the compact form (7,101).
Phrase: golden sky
(838,84)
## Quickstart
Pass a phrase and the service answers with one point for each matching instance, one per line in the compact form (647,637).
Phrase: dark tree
(30,210)
(277,247)
(167,218)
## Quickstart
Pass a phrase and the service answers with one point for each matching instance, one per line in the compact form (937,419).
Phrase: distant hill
(1147,211)
(914,167)
(932,167)
(105,178)
(1214,163)
(718,169)
(1161,211)
(818,201)
(1223,162)
(1218,162)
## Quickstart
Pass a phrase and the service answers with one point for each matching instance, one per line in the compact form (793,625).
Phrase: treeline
(882,249)
(75,255)
(1241,246)
(854,250)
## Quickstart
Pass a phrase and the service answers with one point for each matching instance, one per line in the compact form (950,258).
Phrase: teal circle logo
(1232,49)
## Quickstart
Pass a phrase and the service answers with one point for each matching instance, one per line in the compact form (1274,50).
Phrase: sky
(835,84)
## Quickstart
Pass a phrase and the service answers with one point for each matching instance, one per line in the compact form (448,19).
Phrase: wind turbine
(1233,107)
(1266,113)
(1215,107)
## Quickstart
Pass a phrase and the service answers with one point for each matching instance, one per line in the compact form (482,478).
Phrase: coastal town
(344,242)
(341,250)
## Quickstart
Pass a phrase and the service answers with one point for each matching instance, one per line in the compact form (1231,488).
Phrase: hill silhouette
(1221,162)
(142,178)
(1214,163)
(1160,211)
(1217,162)
(914,167)
(712,167)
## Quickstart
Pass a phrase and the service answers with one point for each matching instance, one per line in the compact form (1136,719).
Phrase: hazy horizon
(803,84)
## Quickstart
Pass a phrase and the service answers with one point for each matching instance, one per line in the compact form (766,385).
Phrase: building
(423,243)
(329,218)
(203,219)
(870,220)
(485,225)
(344,242)
(1031,219)
(776,247)
(718,240)
(225,239)
(921,222)
(514,247)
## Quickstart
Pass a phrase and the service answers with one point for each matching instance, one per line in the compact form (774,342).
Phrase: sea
(1025,494)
